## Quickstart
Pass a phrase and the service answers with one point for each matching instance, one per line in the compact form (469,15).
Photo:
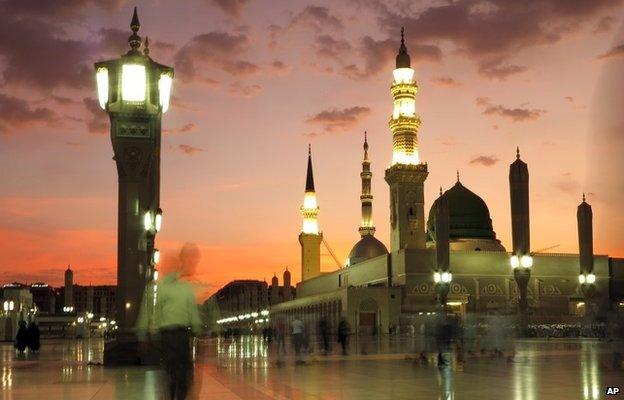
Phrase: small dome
(469,215)
(367,247)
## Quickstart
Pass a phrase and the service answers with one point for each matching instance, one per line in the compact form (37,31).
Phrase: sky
(257,80)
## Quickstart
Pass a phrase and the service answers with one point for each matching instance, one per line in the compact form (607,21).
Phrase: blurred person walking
(34,342)
(21,339)
(343,334)
(297,338)
(324,331)
(175,318)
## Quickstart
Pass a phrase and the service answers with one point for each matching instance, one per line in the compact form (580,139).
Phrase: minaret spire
(310,175)
(517,152)
(134,40)
(366,198)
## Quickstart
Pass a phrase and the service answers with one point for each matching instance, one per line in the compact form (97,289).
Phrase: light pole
(134,90)
(521,266)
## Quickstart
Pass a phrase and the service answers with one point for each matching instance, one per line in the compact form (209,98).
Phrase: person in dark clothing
(33,337)
(343,335)
(324,331)
(21,339)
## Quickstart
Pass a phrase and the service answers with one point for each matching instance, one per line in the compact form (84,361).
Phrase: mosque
(452,257)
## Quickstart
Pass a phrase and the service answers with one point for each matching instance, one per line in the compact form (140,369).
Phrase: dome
(365,248)
(469,215)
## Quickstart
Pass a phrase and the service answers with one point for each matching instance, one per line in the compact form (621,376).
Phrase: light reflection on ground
(246,368)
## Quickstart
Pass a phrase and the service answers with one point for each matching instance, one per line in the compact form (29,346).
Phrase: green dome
(469,215)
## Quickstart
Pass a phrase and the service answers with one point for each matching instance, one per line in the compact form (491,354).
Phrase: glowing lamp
(526,261)
(101,76)
(264,313)
(403,75)
(582,279)
(158,220)
(156,256)
(254,314)
(436,277)
(133,82)
(446,277)
(148,223)
(5,306)
(164,87)
(80,320)
(591,278)
(515,262)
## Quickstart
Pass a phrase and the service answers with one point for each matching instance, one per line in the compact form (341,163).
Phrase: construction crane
(544,249)
(331,252)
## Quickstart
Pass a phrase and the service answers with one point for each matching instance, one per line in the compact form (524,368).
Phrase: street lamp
(135,91)
(521,266)
(442,280)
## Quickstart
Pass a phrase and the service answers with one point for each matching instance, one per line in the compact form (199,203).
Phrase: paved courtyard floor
(247,369)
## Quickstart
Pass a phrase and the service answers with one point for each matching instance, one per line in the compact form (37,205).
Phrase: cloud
(497,69)
(486,161)
(335,119)
(241,90)
(190,150)
(280,68)
(98,121)
(515,114)
(377,54)
(186,128)
(17,113)
(58,10)
(329,47)
(605,24)
(216,49)
(230,7)
(445,81)
(617,51)
(490,30)
(30,51)
(318,18)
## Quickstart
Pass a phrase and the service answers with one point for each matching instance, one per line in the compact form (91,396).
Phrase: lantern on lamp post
(134,90)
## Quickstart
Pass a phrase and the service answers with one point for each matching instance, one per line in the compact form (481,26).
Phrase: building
(453,257)
(247,299)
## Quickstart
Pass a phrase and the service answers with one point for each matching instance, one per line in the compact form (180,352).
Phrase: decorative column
(587,279)
(442,276)
(407,174)
(521,260)
(68,291)
(134,90)
(366,198)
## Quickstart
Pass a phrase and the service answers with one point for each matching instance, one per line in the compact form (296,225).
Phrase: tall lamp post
(587,278)
(134,90)
(442,277)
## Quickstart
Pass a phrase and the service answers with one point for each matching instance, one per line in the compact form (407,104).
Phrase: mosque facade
(455,248)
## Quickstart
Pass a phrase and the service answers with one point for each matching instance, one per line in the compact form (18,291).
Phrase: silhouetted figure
(21,339)
(176,318)
(343,335)
(444,336)
(324,331)
(297,337)
(280,336)
(33,337)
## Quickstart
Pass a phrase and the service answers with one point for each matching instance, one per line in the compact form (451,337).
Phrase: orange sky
(257,80)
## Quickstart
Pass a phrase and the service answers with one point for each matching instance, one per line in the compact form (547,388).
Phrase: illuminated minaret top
(310,208)
(367,227)
(404,122)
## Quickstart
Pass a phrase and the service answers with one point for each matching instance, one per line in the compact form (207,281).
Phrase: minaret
(407,174)
(69,288)
(274,290)
(367,227)
(584,218)
(310,238)
(519,195)
(287,291)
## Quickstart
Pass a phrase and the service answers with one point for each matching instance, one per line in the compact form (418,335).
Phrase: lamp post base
(126,349)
